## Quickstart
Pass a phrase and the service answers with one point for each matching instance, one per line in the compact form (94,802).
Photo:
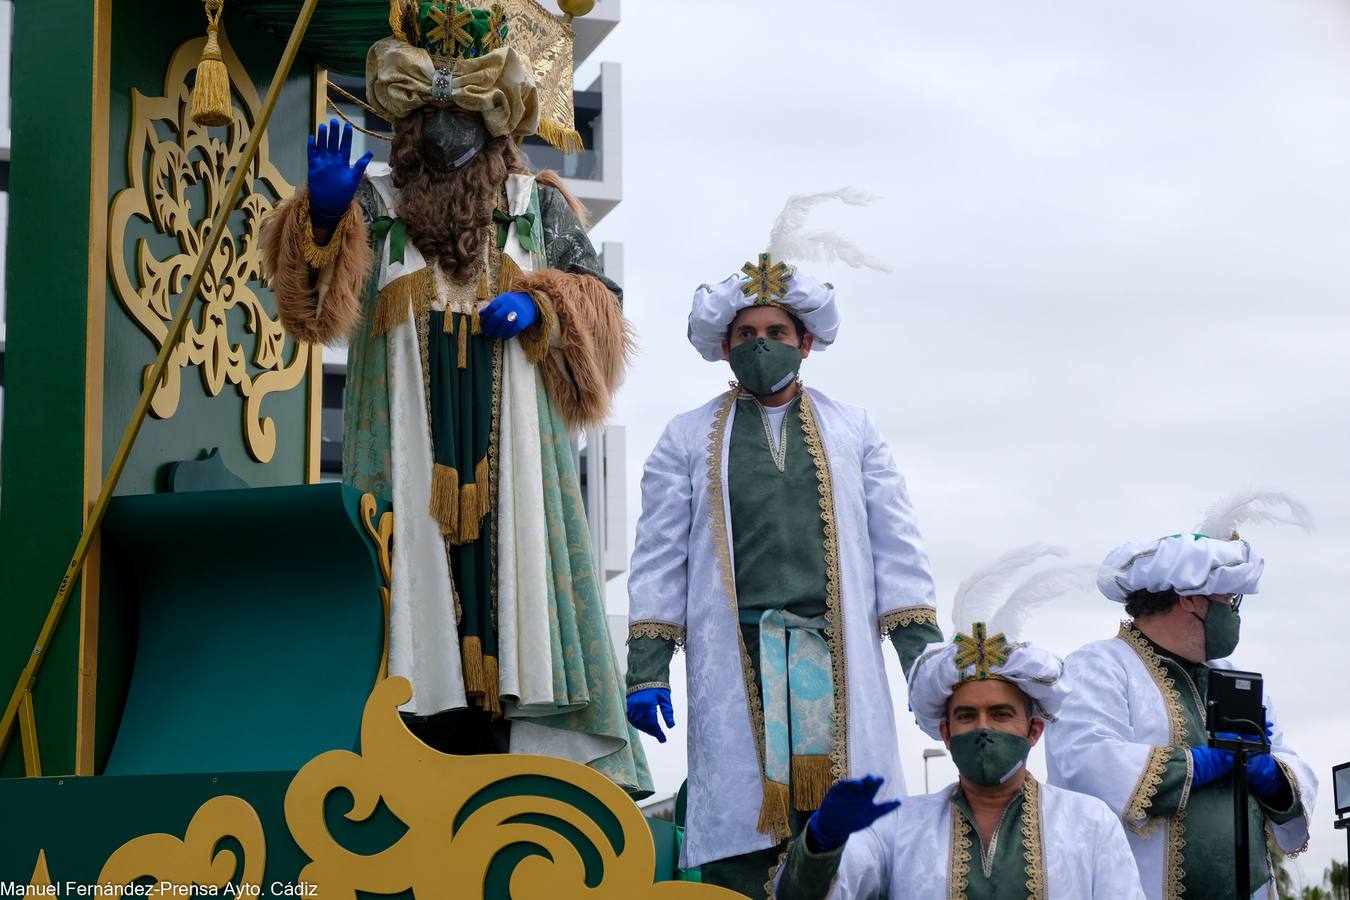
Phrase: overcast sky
(1120,236)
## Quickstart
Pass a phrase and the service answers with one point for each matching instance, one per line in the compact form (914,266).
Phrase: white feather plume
(1260,507)
(788,243)
(1038,590)
(977,598)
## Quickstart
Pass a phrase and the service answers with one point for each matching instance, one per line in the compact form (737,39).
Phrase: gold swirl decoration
(170,162)
(191,861)
(382,533)
(559,829)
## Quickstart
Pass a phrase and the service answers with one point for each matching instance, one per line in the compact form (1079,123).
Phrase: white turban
(716,306)
(1190,564)
(934,677)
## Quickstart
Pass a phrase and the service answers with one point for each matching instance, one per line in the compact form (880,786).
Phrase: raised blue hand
(642,710)
(498,321)
(848,807)
(1209,764)
(333,181)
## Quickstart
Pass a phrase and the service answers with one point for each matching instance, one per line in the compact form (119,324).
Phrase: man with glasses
(1133,732)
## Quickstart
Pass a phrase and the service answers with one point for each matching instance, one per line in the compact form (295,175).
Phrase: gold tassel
(508,274)
(445,497)
(565,139)
(211,94)
(477,323)
(463,342)
(773,813)
(475,502)
(483,289)
(471,653)
(449,325)
(811,778)
(482,475)
(391,309)
(492,700)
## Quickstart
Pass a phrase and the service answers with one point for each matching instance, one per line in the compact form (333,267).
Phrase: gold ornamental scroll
(169,160)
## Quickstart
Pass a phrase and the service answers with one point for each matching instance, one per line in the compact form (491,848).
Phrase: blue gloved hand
(847,808)
(1263,775)
(332,179)
(642,707)
(508,315)
(1209,764)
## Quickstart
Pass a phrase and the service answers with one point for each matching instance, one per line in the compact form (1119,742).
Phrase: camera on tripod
(1235,717)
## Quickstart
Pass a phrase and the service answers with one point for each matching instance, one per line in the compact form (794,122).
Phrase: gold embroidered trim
(906,616)
(834,612)
(1298,797)
(414,290)
(494,464)
(645,685)
(768,823)
(655,628)
(1136,810)
(958,854)
(458,507)
(1032,829)
(1174,871)
(320,257)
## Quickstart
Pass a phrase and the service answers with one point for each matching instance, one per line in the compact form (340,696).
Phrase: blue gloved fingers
(313,153)
(359,170)
(323,140)
(886,808)
(345,147)
(667,710)
(334,137)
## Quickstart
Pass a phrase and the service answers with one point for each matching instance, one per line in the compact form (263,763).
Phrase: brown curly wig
(446,212)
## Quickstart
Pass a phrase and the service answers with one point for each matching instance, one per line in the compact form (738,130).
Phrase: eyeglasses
(1233,601)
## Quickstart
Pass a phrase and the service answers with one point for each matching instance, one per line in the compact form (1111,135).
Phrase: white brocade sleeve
(1090,749)
(658,580)
(899,561)
(1115,875)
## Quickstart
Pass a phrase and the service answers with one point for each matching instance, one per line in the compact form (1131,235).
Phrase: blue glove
(847,808)
(642,707)
(1263,775)
(496,316)
(332,179)
(1209,764)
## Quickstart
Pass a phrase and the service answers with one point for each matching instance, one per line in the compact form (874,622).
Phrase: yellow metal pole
(156,374)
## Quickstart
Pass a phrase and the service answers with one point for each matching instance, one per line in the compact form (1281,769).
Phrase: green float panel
(261,627)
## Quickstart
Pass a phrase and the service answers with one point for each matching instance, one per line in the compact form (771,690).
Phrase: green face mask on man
(1222,628)
(987,757)
(765,367)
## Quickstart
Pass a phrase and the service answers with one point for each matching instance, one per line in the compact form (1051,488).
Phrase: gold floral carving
(171,162)
(459,818)
(382,533)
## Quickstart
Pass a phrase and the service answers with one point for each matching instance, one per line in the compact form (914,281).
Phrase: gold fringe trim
(536,339)
(811,778)
(655,628)
(492,700)
(460,507)
(568,140)
(481,676)
(906,616)
(773,812)
(320,257)
(1032,829)
(509,272)
(414,290)
(211,93)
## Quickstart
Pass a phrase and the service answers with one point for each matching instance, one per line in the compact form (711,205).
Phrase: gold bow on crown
(980,651)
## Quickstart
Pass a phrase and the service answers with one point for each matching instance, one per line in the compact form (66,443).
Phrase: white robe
(678,577)
(1101,744)
(907,855)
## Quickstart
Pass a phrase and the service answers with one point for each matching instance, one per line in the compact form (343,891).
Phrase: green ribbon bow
(397,232)
(524,229)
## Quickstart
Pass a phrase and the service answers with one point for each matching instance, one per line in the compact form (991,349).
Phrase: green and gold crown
(980,651)
(767,281)
(450,31)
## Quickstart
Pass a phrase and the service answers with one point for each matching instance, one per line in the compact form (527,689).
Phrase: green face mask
(1221,631)
(765,367)
(987,757)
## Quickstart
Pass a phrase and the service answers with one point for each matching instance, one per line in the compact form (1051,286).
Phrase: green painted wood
(40,509)
(143,42)
(337,39)
(260,627)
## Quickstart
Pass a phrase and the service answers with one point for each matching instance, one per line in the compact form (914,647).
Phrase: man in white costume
(1133,733)
(997,832)
(778,545)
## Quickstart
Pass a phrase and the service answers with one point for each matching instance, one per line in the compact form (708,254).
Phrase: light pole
(930,753)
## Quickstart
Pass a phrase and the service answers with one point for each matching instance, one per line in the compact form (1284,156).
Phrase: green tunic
(1207,857)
